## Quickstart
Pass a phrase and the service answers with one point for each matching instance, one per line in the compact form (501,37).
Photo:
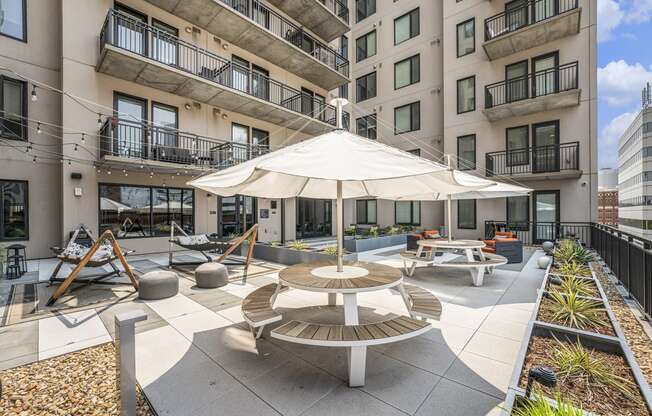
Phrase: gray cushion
(211,275)
(159,284)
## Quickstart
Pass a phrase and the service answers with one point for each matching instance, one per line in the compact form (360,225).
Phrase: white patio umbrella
(336,165)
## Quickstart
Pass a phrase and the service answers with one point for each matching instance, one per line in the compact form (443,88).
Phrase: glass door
(129,138)
(546,215)
(260,82)
(236,215)
(240,140)
(545,74)
(307,102)
(164,43)
(240,74)
(517,147)
(545,147)
(130,30)
(314,217)
(259,142)
(164,132)
(544,9)
(516,82)
(516,14)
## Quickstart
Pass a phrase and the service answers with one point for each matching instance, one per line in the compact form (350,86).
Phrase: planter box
(616,345)
(373,243)
(289,256)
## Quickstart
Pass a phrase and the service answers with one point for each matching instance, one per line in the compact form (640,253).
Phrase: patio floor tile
(236,400)
(422,353)
(69,332)
(452,399)
(494,347)
(175,306)
(505,329)
(107,315)
(481,373)
(464,316)
(509,314)
(456,337)
(19,344)
(191,324)
(345,401)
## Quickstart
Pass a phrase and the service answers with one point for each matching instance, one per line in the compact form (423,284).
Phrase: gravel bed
(637,339)
(79,383)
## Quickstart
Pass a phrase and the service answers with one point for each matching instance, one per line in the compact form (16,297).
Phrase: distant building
(608,196)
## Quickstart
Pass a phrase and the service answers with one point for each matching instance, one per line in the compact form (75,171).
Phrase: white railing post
(125,357)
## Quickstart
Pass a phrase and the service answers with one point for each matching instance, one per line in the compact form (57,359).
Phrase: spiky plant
(298,245)
(574,284)
(578,363)
(331,250)
(571,251)
(572,268)
(578,312)
(539,406)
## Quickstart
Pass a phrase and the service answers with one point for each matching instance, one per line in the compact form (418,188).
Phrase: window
(14,109)
(466,95)
(365,87)
(364,8)
(164,43)
(366,126)
(407,212)
(406,27)
(365,46)
(13,221)
(366,211)
(517,145)
(164,129)
(407,118)
(518,209)
(466,38)
(344,51)
(406,72)
(466,214)
(14,19)
(144,211)
(466,152)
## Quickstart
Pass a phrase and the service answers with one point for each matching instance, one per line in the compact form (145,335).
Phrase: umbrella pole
(449,208)
(340,222)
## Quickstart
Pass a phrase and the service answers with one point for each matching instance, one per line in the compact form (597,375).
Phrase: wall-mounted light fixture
(187,106)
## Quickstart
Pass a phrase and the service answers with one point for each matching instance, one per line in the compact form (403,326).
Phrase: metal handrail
(526,14)
(537,159)
(537,84)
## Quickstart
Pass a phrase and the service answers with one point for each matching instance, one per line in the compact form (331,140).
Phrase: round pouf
(543,262)
(548,246)
(159,284)
(211,275)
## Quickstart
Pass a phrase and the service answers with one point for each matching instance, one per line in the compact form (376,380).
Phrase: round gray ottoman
(548,246)
(159,284)
(211,275)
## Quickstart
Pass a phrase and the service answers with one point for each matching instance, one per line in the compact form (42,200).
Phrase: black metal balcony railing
(283,28)
(338,8)
(123,31)
(525,14)
(531,160)
(538,84)
(133,140)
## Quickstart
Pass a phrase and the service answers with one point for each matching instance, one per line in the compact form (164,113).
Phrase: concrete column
(125,357)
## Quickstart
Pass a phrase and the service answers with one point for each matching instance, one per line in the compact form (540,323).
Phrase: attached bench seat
(424,259)
(477,268)
(422,303)
(257,308)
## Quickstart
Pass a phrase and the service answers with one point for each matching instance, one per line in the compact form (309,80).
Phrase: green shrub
(331,250)
(572,268)
(578,312)
(350,230)
(574,284)
(298,245)
(541,407)
(571,251)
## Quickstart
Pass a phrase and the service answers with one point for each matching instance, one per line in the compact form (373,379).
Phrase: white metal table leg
(357,366)
(469,255)
(350,308)
(332,299)
(478,275)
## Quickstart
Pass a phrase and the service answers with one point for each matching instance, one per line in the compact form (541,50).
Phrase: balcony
(529,25)
(328,19)
(255,27)
(140,53)
(559,161)
(125,143)
(544,90)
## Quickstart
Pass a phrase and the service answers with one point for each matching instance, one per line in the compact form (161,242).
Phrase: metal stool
(13,271)
(18,253)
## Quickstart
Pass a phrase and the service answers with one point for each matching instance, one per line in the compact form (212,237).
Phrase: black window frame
(367,14)
(508,216)
(366,210)
(412,126)
(24,38)
(2,211)
(413,34)
(365,36)
(457,37)
(475,95)
(365,119)
(151,204)
(365,78)
(24,108)
(412,222)
(412,59)
(475,214)
(475,152)
(521,158)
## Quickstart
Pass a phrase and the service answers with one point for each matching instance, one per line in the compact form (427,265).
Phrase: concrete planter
(290,256)
(615,345)
(373,243)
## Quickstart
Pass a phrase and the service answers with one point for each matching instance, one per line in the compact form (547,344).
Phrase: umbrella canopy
(312,168)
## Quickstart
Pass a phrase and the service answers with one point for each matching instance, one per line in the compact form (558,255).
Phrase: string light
(99,121)
(34,96)
(75,149)
(83,138)
(108,172)
(34,160)
(69,162)
(38,128)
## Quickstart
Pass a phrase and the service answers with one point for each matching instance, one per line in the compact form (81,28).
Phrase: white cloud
(639,11)
(620,83)
(610,16)
(609,136)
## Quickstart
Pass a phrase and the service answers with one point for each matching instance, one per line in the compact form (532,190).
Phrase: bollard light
(542,375)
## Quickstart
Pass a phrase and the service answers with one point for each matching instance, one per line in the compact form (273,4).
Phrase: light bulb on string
(108,172)
(99,121)
(34,160)
(34,96)
(83,138)
(69,162)
(75,149)
(38,128)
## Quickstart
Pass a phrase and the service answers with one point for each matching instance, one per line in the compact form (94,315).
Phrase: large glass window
(143,211)
(466,38)
(407,118)
(466,152)
(365,46)
(364,8)
(366,126)
(466,214)
(164,130)
(406,27)
(517,146)
(407,212)
(518,209)
(164,43)
(466,95)
(13,224)
(14,109)
(365,87)
(366,211)
(406,72)
(14,19)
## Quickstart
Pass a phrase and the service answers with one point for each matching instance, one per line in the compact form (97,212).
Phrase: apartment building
(136,97)
(520,88)
(608,196)
(634,174)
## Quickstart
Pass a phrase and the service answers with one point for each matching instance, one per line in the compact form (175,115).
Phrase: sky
(624,66)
